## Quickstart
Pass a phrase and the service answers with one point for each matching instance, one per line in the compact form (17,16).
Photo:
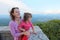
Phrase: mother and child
(20,28)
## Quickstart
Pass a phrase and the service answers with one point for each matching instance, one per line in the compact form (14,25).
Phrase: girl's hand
(22,29)
(26,33)
(34,32)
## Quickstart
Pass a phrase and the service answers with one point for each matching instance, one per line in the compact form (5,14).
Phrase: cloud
(46,12)
(19,4)
(52,12)
(26,8)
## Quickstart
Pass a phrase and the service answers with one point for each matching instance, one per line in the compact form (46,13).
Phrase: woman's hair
(27,15)
(12,11)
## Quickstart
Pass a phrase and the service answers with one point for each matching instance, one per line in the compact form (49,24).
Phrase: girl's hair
(12,11)
(27,15)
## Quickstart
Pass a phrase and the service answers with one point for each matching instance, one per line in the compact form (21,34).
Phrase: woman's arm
(13,29)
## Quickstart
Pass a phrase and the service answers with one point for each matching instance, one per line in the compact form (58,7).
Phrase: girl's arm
(33,28)
(21,29)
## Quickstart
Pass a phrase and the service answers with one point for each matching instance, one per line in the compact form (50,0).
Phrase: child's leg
(19,38)
(25,37)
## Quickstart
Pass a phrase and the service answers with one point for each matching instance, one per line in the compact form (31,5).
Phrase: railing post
(0,37)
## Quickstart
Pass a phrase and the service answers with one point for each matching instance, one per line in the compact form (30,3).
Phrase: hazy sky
(34,6)
(44,5)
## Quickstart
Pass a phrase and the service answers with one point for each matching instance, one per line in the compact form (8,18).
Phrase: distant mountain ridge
(4,20)
(43,17)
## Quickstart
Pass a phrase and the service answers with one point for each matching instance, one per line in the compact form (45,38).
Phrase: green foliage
(50,28)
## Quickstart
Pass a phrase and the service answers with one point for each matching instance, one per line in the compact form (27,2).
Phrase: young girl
(25,25)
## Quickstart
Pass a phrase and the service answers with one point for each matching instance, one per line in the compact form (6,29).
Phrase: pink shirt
(25,25)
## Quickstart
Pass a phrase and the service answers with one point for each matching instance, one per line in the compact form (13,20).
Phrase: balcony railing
(6,35)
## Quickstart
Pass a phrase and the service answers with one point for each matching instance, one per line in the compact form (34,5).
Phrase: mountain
(44,17)
(4,19)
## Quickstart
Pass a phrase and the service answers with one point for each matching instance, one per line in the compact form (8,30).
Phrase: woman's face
(16,13)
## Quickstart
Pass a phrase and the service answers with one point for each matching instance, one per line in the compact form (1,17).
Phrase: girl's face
(16,13)
(29,19)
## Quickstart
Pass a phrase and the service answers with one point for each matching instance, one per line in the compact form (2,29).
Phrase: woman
(15,16)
